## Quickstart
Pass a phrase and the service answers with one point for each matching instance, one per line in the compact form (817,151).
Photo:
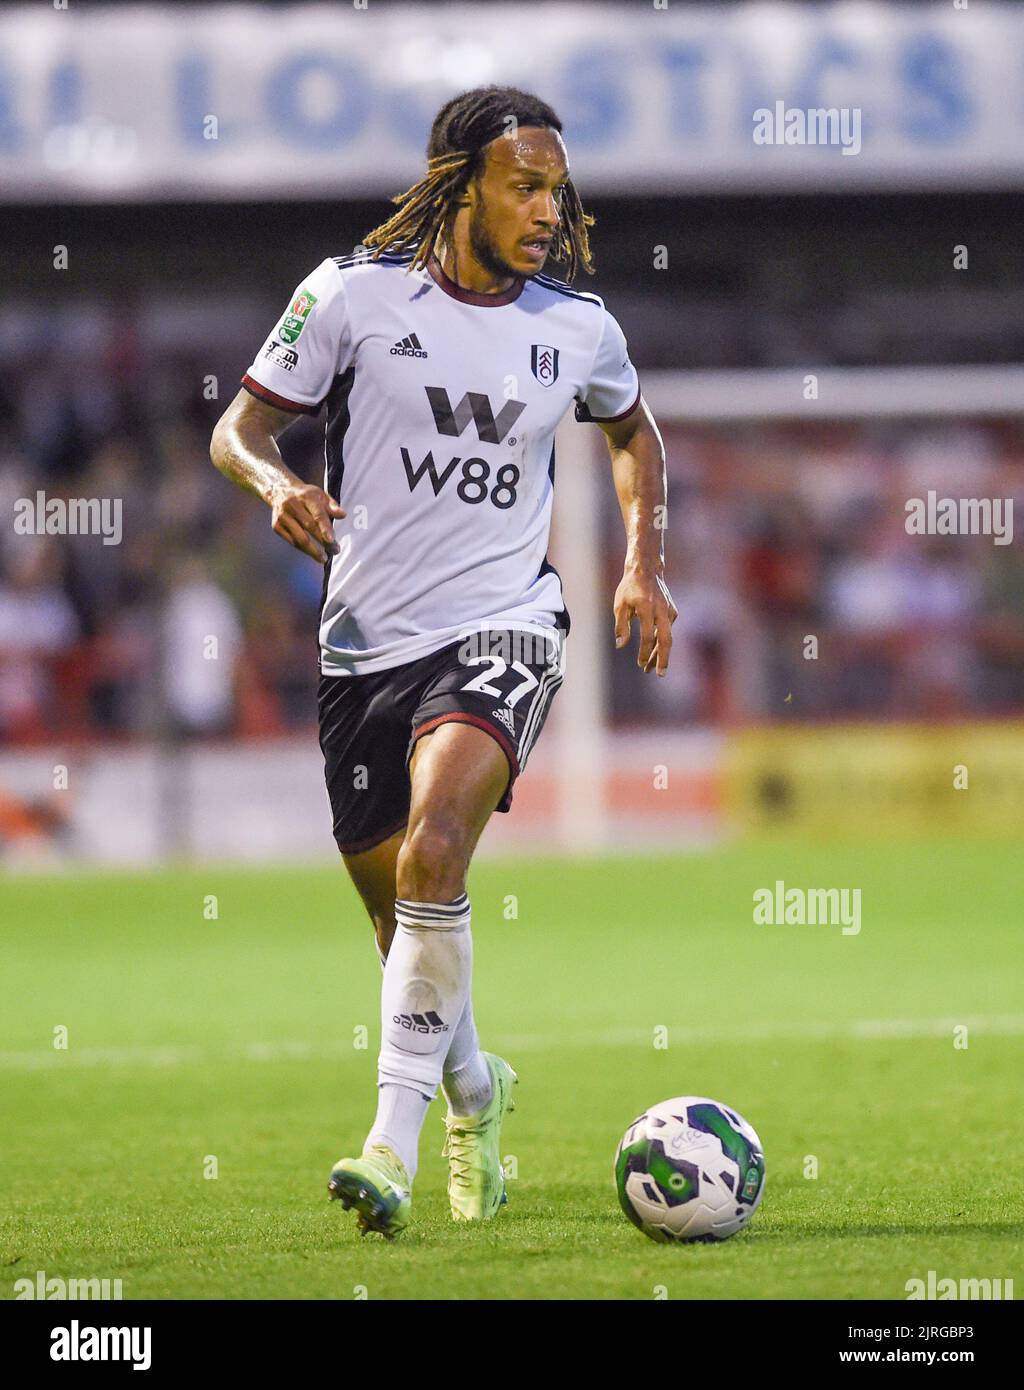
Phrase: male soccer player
(445,359)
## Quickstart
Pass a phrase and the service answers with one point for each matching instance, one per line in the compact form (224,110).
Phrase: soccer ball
(689,1169)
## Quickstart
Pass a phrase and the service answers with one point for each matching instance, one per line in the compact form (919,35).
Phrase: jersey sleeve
(311,344)
(613,391)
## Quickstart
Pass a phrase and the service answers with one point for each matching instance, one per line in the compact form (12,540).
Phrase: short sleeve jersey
(442,406)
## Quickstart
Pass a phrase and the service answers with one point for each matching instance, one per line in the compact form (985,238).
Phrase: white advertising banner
(264,101)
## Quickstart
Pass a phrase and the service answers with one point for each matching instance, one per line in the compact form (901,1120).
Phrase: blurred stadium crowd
(778,532)
(784,532)
(108,640)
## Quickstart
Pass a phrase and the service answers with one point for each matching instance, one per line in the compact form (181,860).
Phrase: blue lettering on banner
(594,102)
(298,126)
(10,132)
(756,92)
(411,117)
(827,55)
(65,94)
(194,101)
(812,93)
(939,108)
(685,64)
(677,104)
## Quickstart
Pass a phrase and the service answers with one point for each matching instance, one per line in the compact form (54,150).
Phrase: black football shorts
(500,681)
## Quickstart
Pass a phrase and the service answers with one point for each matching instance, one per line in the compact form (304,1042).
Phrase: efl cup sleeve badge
(544,363)
(295,320)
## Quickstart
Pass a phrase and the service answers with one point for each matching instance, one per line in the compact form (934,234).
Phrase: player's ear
(472,193)
(469,196)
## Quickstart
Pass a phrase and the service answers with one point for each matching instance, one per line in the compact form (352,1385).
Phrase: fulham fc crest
(544,363)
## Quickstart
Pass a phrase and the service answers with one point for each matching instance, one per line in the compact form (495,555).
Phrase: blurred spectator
(37,628)
(202,637)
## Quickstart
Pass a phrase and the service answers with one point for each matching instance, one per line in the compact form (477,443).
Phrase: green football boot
(476,1179)
(378,1186)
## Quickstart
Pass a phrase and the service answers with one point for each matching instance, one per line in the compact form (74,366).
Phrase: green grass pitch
(191,1040)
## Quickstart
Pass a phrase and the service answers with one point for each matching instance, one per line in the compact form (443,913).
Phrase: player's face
(516,202)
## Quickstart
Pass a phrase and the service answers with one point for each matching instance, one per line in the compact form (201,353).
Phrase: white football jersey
(441,413)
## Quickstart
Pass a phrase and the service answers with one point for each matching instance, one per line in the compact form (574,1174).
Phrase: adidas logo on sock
(506,717)
(408,347)
(429,1022)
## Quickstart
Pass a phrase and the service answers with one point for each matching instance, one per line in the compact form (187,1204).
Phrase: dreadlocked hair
(461,129)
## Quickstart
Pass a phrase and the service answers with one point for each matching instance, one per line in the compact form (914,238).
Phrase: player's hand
(645,597)
(304,515)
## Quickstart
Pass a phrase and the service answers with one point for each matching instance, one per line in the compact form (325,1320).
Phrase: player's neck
(467,273)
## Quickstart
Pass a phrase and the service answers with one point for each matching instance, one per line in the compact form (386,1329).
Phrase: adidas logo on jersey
(408,347)
(506,717)
(429,1022)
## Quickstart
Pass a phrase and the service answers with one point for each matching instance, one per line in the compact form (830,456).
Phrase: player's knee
(432,861)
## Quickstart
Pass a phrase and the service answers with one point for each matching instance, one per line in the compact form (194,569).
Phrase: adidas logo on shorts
(408,347)
(506,717)
(429,1022)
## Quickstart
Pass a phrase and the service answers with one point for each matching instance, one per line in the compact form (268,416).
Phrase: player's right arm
(244,448)
(291,376)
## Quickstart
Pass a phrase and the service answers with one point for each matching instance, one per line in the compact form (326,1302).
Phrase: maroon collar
(482,301)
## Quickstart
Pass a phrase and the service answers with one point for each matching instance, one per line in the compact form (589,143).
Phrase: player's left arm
(638,467)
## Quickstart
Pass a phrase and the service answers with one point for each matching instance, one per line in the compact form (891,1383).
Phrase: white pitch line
(864,1030)
(52,1059)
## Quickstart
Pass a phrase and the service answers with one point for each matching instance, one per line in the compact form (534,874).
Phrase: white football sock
(400,1115)
(423,995)
(466,1079)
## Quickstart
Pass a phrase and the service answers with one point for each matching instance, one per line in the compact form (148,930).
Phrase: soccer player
(445,358)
